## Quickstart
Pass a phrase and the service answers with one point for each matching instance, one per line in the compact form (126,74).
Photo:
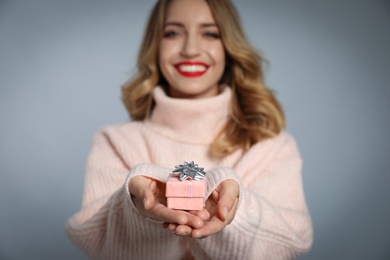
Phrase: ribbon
(190,170)
(189,189)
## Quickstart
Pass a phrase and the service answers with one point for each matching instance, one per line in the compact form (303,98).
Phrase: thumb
(141,188)
(229,191)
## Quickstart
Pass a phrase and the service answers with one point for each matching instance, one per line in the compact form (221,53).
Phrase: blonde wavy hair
(255,112)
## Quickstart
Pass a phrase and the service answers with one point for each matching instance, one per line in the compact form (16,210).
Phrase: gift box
(187,194)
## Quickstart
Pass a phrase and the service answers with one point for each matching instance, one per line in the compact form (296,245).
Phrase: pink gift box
(185,195)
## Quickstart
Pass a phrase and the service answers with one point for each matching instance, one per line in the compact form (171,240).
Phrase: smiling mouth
(188,69)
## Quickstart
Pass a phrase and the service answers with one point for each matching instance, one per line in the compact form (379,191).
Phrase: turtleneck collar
(195,121)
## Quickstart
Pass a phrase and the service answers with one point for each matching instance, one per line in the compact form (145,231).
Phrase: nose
(191,46)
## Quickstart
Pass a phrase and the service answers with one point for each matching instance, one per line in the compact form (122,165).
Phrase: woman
(198,95)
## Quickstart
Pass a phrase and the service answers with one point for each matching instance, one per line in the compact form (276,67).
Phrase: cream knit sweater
(271,222)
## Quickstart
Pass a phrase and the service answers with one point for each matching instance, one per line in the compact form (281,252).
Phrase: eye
(213,35)
(170,34)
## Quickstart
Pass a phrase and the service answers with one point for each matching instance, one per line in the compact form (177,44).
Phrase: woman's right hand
(149,197)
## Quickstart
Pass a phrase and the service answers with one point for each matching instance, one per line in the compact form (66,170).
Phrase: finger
(137,185)
(229,191)
(148,199)
(213,226)
(172,226)
(165,225)
(179,217)
(194,220)
(202,214)
(232,212)
(140,188)
(168,215)
(183,230)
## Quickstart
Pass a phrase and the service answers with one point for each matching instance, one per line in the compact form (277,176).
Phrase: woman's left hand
(221,205)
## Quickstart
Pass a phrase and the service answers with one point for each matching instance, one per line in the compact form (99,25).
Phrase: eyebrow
(182,25)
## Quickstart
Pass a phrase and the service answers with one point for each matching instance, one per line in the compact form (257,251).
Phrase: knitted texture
(271,222)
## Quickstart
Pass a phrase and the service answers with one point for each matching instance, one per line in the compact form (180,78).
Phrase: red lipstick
(190,73)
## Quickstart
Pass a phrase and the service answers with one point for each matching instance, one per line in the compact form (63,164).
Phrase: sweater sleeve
(272,220)
(108,226)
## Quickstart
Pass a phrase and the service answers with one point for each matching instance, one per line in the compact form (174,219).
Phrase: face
(191,53)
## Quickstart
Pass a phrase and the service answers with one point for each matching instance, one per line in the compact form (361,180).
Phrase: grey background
(61,67)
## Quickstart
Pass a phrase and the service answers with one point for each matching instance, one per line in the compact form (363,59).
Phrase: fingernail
(196,235)
(226,212)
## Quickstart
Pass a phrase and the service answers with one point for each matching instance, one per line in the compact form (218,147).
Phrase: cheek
(218,54)
(167,53)
(163,58)
(161,54)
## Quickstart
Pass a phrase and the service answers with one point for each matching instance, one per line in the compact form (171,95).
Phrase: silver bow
(190,170)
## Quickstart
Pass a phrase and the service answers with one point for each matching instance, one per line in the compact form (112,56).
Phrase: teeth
(192,68)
